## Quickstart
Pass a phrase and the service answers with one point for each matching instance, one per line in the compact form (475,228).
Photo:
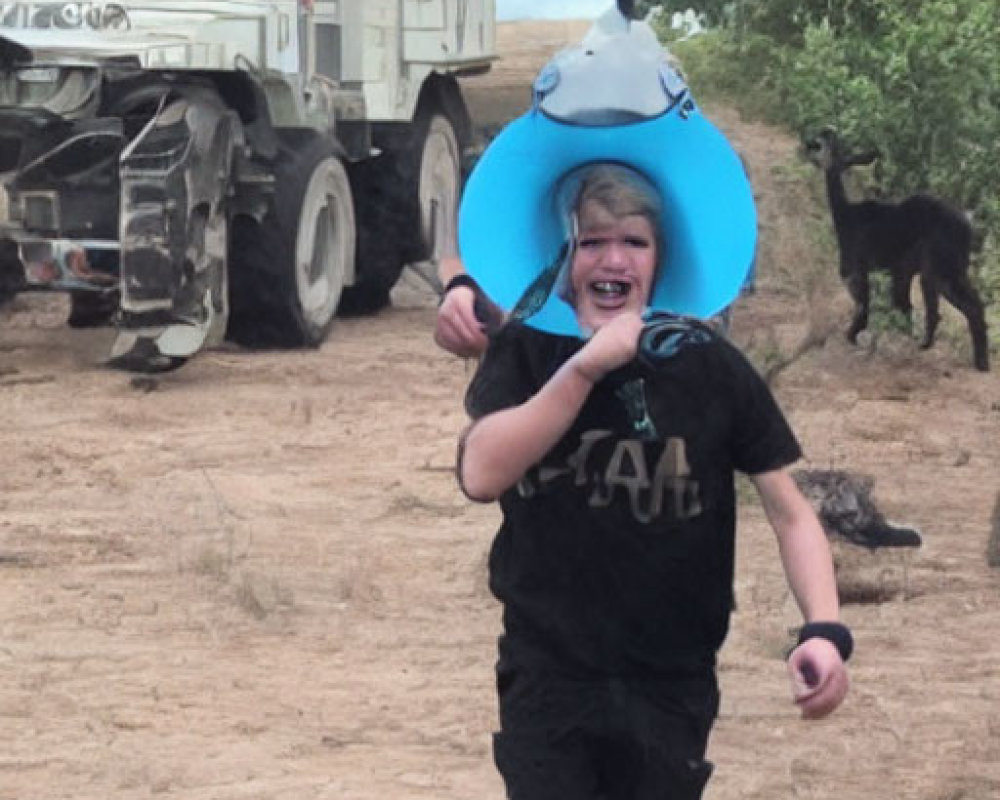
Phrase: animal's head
(619,74)
(829,153)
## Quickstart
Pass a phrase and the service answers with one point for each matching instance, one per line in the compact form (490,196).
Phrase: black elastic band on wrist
(462,279)
(836,633)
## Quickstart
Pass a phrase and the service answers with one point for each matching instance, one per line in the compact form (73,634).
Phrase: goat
(921,234)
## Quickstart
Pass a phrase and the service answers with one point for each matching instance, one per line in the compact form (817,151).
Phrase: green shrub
(916,79)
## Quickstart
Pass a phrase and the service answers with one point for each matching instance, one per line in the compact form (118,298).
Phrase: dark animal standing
(920,235)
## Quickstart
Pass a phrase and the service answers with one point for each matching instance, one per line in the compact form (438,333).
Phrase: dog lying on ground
(844,504)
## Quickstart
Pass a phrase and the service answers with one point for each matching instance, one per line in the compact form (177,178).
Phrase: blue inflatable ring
(510,228)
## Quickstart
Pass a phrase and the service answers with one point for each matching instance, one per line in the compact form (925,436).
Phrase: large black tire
(287,271)
(439,187)
(407,208)
(11,271)
(92,310)
(381,220)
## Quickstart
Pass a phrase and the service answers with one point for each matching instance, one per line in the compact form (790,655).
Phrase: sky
(551,9)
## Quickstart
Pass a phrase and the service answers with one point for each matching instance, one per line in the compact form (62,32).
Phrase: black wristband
(834,632)
(462,279)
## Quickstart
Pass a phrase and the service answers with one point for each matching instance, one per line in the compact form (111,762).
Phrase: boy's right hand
(614,345)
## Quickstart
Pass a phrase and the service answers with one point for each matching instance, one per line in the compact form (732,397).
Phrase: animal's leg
(961,294)
(857,286)
(901,296)
(901,293)
(929,289)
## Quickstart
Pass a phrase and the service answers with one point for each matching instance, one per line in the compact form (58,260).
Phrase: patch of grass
(704,59)
(218,546)
(211,563)
(260,596)
(855,592)
(765,353)
(793,172)
(993,548)
(745,491)
(866,577)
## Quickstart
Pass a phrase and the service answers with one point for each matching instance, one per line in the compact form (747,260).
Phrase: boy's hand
(457,329)
(819,678)
(614,345)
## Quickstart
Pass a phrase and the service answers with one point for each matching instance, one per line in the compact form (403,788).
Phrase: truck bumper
(143,219)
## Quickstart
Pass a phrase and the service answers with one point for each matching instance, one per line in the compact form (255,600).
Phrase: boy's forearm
(804,548)
(500,447)
(805,554)
(448,268)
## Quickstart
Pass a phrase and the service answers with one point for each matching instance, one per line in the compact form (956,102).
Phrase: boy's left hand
(613,344)
(819,678)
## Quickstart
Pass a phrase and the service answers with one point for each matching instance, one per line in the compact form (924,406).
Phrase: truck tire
(438,189)
(11,271)
(92,310)
(381,218)
(408,203)
(288,270)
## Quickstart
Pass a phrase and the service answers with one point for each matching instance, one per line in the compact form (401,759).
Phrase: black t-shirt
(616,551)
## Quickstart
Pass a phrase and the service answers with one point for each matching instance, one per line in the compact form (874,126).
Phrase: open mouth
(611,290)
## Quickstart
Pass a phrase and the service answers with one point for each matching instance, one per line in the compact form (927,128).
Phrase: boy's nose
(615,254)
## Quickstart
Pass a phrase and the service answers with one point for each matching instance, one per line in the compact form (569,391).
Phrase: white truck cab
(194,169)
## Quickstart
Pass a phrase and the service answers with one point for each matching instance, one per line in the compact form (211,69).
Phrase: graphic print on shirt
(654,486)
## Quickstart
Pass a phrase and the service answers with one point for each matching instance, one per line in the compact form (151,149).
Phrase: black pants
(604,739)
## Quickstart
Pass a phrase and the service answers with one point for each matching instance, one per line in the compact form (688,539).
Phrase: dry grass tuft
(260,596)
(866,577)
(993,549)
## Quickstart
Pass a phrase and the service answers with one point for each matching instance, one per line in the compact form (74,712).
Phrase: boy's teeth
(610,287)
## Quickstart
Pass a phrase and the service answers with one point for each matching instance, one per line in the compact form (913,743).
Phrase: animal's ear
(812,142)
(862,158)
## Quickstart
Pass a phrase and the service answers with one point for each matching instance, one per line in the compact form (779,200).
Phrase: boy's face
(613,265)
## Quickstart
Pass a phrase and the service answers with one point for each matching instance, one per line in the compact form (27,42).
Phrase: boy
(613,461)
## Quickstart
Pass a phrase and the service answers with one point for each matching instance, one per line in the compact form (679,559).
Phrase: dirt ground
(255,578)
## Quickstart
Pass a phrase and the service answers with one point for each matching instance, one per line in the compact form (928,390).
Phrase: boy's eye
(637,241)
(594,242)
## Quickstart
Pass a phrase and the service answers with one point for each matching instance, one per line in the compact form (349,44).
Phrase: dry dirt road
(254,577)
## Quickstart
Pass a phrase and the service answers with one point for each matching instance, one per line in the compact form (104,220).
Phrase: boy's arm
(448,268)
(456,328)
(466,316)
(818,674)
(805,551)
(500,447)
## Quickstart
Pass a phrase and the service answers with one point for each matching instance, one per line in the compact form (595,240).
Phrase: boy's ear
(564,283)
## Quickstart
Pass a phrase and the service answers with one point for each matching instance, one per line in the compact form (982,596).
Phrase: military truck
(195,170)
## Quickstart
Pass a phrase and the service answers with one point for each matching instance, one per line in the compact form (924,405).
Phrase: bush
(915,79)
